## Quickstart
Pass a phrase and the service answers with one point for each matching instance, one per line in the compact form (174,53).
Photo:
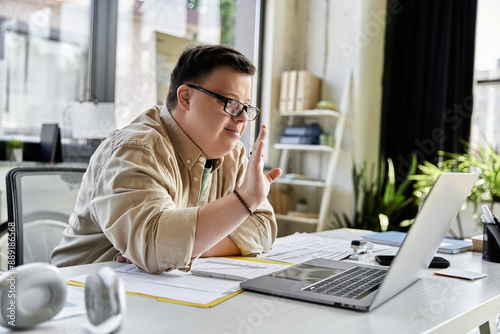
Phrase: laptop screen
(307,273)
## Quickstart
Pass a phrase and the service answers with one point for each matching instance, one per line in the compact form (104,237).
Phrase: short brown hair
(197,62)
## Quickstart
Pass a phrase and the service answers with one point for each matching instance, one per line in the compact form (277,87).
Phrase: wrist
(243,202)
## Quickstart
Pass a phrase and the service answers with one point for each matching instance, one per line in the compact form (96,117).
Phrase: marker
(487,214)
(489,217)
(496,221)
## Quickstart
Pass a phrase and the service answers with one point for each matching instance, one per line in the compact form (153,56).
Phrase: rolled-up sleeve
(257,233)
(175,245)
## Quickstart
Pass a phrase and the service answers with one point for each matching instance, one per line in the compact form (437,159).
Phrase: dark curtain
(428,77)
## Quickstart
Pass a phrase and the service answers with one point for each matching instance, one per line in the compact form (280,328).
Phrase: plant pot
(15,154)
(301,207)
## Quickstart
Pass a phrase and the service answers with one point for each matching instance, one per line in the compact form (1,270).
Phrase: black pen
(496,221)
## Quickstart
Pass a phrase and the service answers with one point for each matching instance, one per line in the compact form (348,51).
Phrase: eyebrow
(233,97)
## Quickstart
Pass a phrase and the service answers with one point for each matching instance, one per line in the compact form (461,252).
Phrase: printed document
(175,284)
(302,247)
(233,268)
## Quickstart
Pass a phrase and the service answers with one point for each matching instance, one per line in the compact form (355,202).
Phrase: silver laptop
(364,287)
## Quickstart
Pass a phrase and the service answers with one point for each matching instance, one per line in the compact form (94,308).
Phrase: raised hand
(256,185)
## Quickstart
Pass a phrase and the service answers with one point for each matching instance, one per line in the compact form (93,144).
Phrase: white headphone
(35,292)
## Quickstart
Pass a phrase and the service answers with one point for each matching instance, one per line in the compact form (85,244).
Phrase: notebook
(395,238)
(328,281)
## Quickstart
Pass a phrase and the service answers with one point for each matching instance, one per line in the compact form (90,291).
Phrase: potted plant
(14,150)
(301,204)
(484,160)
(379,201)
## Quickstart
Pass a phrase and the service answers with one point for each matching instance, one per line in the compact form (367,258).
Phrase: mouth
(233,132)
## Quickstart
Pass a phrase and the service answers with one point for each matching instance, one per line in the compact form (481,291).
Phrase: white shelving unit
(326,184)
(333,153)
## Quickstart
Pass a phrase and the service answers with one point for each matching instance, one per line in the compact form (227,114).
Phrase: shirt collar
(188,151)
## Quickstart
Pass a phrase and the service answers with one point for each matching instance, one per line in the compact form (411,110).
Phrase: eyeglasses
(232,107)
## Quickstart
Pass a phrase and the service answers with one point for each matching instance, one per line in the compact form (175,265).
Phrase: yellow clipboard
(168,300)
(207,305)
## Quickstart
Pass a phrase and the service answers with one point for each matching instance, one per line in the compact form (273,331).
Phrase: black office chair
(40,201)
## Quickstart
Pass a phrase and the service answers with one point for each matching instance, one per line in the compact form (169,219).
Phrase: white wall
(329,38)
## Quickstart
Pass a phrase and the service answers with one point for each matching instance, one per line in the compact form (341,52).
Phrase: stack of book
(307,134)
(300,90)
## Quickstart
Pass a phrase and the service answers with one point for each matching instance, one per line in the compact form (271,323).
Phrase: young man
(176,184)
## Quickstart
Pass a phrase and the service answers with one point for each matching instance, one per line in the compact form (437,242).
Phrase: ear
(184,96)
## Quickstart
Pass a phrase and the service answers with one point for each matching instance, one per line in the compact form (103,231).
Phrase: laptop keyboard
(354,283)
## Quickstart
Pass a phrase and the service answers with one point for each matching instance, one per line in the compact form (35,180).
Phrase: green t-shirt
(206,175)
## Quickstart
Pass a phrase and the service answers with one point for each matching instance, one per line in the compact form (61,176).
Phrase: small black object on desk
(437,261)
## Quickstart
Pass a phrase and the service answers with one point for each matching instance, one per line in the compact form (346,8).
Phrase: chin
(220,148)
(220,153)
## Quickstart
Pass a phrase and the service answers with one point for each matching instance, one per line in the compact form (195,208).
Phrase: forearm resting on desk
(216,222)
(226,247)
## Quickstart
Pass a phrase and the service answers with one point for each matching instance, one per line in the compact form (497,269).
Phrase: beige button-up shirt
(141,194)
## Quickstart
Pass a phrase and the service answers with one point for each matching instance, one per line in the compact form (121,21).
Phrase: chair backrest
(40,201)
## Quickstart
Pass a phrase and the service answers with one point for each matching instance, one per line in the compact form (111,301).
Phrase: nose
(243,117)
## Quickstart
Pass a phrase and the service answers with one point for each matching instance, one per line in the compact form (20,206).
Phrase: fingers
(260,142)
(273,175)
(262,133)
(122,259)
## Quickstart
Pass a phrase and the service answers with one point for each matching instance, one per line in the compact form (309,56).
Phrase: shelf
(325,156)
(302,147)
(296,219)
(314,112)
(301,182)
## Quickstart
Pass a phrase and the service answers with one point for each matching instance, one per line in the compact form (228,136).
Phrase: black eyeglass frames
(232,107)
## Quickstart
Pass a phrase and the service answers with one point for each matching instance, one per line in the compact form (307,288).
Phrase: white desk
(434,304)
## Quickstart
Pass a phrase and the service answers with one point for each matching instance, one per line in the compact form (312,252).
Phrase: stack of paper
(174,286)
(301,247)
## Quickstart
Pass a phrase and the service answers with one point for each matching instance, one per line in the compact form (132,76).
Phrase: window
(44,53)
(486,116)
(151,34)
(43,61)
